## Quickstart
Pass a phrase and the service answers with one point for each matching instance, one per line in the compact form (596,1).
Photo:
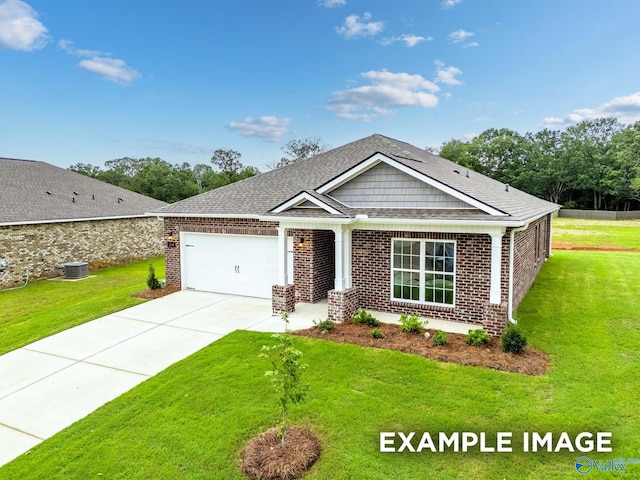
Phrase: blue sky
(86,81)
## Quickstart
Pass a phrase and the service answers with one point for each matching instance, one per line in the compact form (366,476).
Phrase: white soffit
(378,158)
(302,198)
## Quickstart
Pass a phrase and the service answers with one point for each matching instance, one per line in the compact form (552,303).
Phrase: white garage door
(235,264)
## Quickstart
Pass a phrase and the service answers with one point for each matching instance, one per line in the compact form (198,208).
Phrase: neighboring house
(50,216)
(377,224)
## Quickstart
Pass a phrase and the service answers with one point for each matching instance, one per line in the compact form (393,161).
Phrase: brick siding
(98,242)
(313,264)
(531,249)
(283,298)
(236,226)
(343,305)
(371,270)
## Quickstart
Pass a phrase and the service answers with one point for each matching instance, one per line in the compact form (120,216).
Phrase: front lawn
(192,420)
(45,307)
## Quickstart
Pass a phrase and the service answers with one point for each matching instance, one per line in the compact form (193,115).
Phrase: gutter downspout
(510,303)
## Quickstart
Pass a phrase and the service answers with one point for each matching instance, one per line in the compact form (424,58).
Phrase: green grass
(192,420)
(45,307)
(597,233)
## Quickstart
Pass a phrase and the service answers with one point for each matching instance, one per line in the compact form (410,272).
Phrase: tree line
(170,183)
(594,164)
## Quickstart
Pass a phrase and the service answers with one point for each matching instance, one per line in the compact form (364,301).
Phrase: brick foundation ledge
(283,298)
(343,304)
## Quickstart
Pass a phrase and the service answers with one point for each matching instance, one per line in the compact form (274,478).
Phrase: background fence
(599,214)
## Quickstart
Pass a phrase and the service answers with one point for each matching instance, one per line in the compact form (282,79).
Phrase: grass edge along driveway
(46,307)
(192,420)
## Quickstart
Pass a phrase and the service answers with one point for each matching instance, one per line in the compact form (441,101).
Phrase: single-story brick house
(378,224)
(50,216)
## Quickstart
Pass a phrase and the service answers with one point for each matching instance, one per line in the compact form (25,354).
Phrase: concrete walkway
(54,382)
(50,384)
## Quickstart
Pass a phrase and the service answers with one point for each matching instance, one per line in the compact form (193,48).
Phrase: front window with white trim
(423,271)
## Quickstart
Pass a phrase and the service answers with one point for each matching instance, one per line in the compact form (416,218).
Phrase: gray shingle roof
(23,195)
(259,195)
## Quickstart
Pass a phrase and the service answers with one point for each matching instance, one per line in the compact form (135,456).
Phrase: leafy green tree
(296,150)
(86,169)
(589,144)
(460,152)
(623,178)
(227,162)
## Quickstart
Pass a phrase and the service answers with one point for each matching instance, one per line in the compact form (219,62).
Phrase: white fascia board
(300,199)
(378,157)
(71,220)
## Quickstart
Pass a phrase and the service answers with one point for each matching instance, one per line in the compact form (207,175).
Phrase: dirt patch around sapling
(264,457)
(529,362)
(157,293)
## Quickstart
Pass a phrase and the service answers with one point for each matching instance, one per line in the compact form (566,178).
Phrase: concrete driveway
(50,384)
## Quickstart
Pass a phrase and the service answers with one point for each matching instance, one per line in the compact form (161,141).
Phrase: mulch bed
(530,361)
(264,458)
(157,293)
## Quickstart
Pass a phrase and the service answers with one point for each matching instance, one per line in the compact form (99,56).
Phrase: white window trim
(423,271)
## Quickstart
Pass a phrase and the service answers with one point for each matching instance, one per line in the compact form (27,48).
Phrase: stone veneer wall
(237,226)
(371,270)
(531,249)
(99,242)
(314,264)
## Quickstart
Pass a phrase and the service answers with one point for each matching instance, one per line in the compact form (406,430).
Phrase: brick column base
(343,304)
(283,298)
(495,319)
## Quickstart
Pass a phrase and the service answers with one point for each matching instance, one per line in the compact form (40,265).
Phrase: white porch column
(339,283)
(346,263)
(496,267)
(283,277)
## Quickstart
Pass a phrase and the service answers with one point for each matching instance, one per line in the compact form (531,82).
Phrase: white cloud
(20,28)
(447,75)
(409,40)
(67,46)
(387,90)
(353,27)
(112,69)
(268,128)
(460,36)
(332,3)
(471,44)
(449,3)
(405,81)
(469,136)
(626,109)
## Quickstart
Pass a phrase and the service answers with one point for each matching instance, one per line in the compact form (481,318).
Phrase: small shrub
(439,338)
(513,341)
(377,333)
(412,324)
(152,282)
(324,325)
(477,337)
(365,318)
